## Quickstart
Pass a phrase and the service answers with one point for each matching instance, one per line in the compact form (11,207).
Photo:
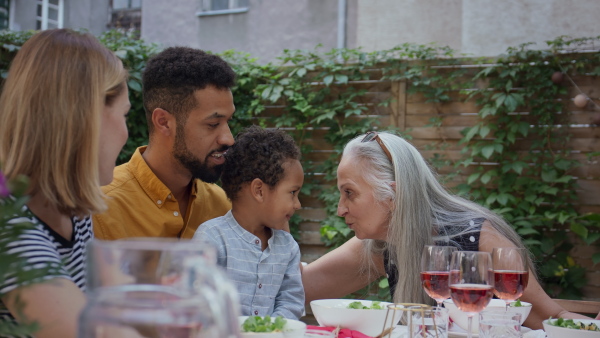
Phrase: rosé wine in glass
(435,267)
(511,274)
(471,282)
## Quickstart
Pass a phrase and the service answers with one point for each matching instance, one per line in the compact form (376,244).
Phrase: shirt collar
(152,186)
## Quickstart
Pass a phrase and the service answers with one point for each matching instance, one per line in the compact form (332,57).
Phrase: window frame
(44,19)
(234,8)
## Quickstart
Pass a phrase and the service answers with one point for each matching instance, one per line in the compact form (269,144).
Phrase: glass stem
(470,320)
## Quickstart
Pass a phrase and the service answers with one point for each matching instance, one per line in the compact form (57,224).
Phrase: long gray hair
(424,211)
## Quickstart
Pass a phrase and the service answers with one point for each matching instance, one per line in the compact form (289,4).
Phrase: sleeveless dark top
(465,242)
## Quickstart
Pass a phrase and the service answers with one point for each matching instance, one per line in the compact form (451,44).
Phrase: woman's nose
(342,210)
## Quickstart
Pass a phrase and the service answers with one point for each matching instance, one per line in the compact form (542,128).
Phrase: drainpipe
(341,33)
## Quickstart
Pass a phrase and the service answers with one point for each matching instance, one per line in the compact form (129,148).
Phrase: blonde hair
(50,115)
(424,213)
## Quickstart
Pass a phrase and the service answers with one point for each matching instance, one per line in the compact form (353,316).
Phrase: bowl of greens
(271,327)
(572,328)
(461,319)
(365,316)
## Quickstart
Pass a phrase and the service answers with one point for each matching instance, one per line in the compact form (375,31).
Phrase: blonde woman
(62,124)
(395,205)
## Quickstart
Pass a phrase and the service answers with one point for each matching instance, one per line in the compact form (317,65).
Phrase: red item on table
(343,333)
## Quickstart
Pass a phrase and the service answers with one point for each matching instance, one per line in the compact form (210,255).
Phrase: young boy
(262,177)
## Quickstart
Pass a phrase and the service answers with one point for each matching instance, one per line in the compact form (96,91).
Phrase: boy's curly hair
(172,76)
(257,153)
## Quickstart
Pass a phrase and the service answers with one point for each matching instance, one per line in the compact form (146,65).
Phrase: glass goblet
(471,285)
(511,274)
(435,271)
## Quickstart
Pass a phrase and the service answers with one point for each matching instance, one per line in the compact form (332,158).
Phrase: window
(49,14)
(4,13)
(126,4)
(126,14)
(216,7)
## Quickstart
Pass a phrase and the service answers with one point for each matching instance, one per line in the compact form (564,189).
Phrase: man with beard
(167,188)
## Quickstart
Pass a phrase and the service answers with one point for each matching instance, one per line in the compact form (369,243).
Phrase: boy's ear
(257,187)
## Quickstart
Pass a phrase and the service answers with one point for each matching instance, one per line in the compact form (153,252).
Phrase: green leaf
(564,179)
(341,78)
(491,199)
(301,72)
(121,54)
(527,231)
(328,80)
(518,167)
(524,128)
(548,175)
(484,131)
(592,237)
(500,99)
(471,132)
(487,151)
(134,85)
(486,178)
(579,229)
(487,110)
(503,198)
(473,177)
(266,92)
(596,257)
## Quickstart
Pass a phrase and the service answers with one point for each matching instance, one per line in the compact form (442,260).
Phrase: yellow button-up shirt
(140,205)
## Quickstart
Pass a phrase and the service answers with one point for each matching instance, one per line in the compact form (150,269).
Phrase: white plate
(456,332)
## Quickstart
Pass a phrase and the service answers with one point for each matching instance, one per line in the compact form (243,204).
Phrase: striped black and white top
(44,249)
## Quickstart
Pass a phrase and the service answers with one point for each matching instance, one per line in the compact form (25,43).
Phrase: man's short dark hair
(257,153)
(172,76)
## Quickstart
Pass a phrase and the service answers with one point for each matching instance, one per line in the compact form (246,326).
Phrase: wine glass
(471,284)
(435,271)
(511,274)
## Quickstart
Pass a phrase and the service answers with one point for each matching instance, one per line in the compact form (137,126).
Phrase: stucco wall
(91,15)
(474,27)
(170,23)
(264,31)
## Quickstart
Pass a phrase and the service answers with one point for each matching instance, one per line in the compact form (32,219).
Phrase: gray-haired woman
(395,205)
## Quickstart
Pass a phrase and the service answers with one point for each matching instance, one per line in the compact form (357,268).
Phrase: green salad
(260,324)
(359,305)
(571,324)
(516,303)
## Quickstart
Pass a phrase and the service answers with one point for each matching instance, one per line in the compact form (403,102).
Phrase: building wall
(91,15)
(264,31)
(474,27)
(24,15)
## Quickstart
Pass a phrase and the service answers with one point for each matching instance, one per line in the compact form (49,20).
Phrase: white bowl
(560,332)
(292,329)
(461,319)
(335,312)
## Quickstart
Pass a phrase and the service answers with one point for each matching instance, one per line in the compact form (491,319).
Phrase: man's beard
(196,167)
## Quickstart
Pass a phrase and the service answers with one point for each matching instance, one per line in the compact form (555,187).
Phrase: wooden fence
(412,114)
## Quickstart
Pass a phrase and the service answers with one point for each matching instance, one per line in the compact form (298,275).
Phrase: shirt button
(255,312)
(260,286)
(175,214)
(256,241)
(159,202)
(169,196)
